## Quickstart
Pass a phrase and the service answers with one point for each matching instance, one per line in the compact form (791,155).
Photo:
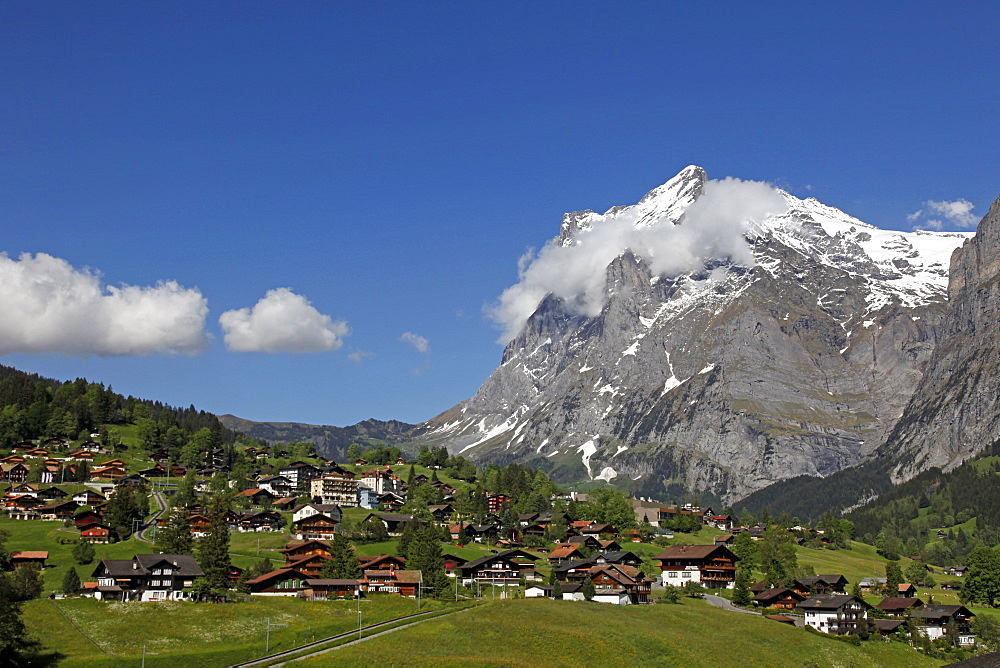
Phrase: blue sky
(373,171)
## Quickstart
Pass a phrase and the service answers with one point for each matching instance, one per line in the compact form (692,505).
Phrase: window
(672,574)
(686,574)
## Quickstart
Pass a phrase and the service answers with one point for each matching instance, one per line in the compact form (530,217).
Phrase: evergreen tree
(777,555)
(588,589)
(557,592)
(343,562)
(71,582)
(14,639)
(745,549)
(213,549)
(893,578)
(741,591)
(410,530)
(83,552)
(425,555)
(175,535)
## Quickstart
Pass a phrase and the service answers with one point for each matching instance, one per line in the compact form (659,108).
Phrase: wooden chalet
(54,494)
(86,517)
(453,564)
(898,606)
(934,621)
(714,566)
(565,552)
(265,520)
(256,496)
(280,582)
(147,577)
(20,558)
(591,542)
(310,565)
(315,527)
(89,497)
(13,472)
(96,533)
(110,473)
(382,562)
(404,583)
(778,597)
(836,614)
(628,579)
(299,549)
(505,567)
(200,525)
(28,488)
(59,510)
(317,589)
(441,512)
(820,584)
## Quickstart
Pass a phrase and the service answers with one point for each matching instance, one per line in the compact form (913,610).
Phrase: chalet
(256,496)
(282,582)
(567,552)
(382,562)
(199,524)
(22,507)
(836,614)
(404,583)
(934,620)
(96,533)
(81,456)
(262,521)
(613,578)
(20,558)
(110,473)
(58,510)
(394,522)
(13,459)
(158,471)
(778,597)
(307,509)
(147,577)
(590,542)
(381,481)
(53,494)
(525,519)
(390,501)
(23,446)
(453,564)
(610,545)
(907,590)
(720,522)
(86,517)
(133,480)
(504,568)
(13,472)
(714,566)
(278,485)
(888,627)
(597,529)
(297,550)
(820,584)
(316,589)
(113,462)
(868,585)
(534,529)
(310,565)
(37,452)
(957,571)
(285,504)
(315,526)
(725,539)
(617,557)
(898,606)
(25,488)
(89,497)
(440,513)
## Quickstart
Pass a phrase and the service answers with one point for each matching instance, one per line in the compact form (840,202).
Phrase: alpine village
(139,532)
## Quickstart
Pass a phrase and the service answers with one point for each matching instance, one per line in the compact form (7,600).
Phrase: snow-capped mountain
(713,355)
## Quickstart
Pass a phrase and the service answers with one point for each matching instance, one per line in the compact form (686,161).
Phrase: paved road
(724,603)
(141,535)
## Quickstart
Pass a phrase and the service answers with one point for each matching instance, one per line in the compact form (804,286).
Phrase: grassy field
(565,633)
(113,634)
(45,535)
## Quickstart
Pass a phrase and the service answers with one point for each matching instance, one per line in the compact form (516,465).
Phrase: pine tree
(741,590)
(175,536)
(425,555)
(410,530)
(557,592)
(213,549)
(71,582)
(588,589)
(83,552)
(343,560)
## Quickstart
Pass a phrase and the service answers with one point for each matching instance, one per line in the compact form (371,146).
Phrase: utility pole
(144,653)
(358,594)
(267,641)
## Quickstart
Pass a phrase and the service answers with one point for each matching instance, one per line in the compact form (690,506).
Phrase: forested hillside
(33,407)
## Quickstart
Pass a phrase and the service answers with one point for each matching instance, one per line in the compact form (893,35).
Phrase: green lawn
(191,634)
(45,535)
(565,633)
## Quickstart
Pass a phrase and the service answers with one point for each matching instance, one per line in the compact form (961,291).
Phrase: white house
(836,614)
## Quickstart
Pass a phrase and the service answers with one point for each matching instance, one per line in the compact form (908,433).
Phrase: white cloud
(956,213)
(359,355)
(281,322)
(49,306)
(420,343)
(714,226)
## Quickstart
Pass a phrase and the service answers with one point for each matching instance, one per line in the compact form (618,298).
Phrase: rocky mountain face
(729,377)
(955,411)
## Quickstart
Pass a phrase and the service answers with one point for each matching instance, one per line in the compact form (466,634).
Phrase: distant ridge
(331,442)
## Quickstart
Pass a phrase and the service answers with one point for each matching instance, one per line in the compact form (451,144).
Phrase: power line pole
(267,641)
(144,653)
